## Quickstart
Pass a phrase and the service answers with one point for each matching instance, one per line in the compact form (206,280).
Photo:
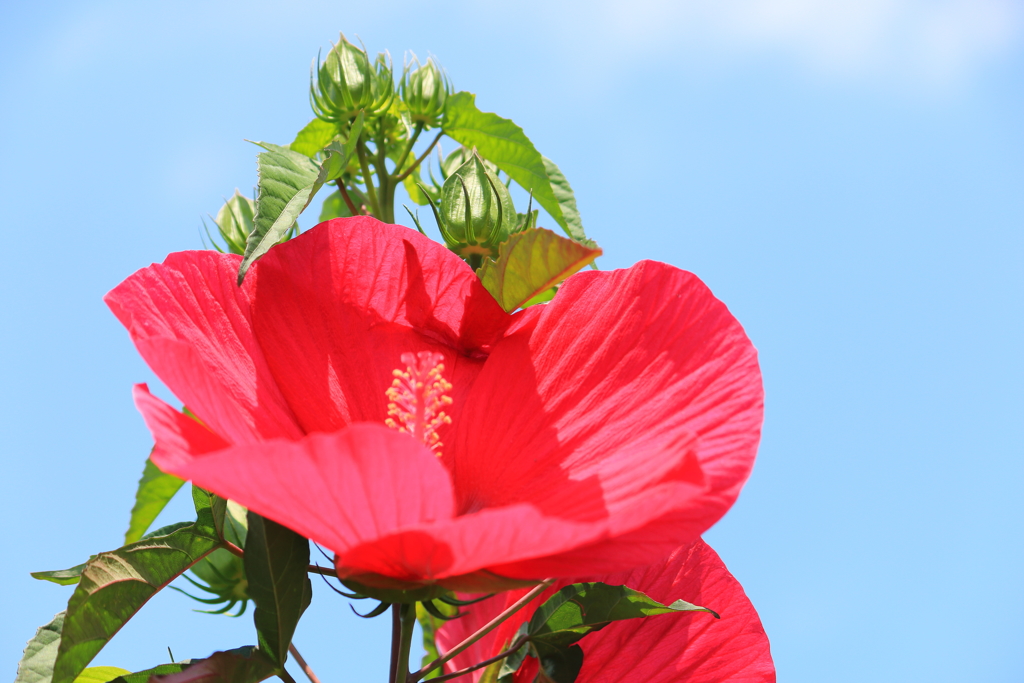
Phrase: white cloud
(940,41)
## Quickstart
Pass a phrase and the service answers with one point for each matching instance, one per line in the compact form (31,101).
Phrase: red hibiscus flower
(691,647)
(589,435)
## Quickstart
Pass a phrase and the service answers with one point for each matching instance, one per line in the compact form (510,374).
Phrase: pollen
(417,398)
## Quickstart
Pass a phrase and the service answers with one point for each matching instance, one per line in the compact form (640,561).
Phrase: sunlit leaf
(162,670)
(579,609)
(571,221)
(287,181)
(502,142)
(101,674)
(36,665)
(316,135)
(531,262)
(62,577)
(115,585)
(576,610)
(155,490)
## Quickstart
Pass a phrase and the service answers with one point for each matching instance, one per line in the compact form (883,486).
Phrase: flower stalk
(483,631)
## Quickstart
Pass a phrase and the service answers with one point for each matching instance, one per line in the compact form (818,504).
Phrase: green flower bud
(348,83)
(425,90)
(459,157)
(234,222)
(476,213)
(222,575)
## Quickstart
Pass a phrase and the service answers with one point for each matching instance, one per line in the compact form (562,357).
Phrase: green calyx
(425,89)
(476,212)
(395,592)
(347,83)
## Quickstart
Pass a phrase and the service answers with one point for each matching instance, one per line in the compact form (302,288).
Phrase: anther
(417,398)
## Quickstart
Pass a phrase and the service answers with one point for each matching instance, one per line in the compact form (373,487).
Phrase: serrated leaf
(314,136)
(36,665)
(155,490)
(68,577)
(573,224)
(581,608)
(242,665)
(531,262)
(276,559)
(287,182)
(115,585)
(502,142)
(285,185)
(101,674)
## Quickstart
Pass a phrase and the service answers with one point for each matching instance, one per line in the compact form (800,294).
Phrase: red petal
(192,325)
(336,307)
(673,648)
(377,498)
(340,490)
(594,399)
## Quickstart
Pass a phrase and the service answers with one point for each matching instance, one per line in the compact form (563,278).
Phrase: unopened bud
(347,83)
(234,222)
(476,213)
(425,89)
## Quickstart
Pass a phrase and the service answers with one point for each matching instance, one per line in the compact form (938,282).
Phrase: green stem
(484,630)
(419,160)
(408,147)
(406,619)
(387,206)
(480,665)
(348,200)
(371,191)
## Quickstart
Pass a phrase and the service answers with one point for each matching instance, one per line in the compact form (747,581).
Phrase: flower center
(417,397)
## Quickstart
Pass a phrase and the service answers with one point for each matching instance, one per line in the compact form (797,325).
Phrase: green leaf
(276,559)
(412,183)
(154,492)
(243,665)
(558,664)
(101,674)
(571,223)
(505,144)
(531,262)
(62,577)
(287,182)
(334,207)
(342,153)
(581,608)
(68,577)
(316,135)
(144,676)
(543,297)
(36,665)
(116,584)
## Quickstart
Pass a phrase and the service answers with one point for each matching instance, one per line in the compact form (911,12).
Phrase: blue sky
(847,176)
